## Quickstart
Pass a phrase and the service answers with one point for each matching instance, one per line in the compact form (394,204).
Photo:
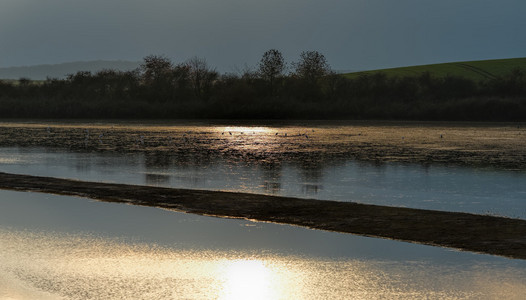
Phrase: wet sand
(470,232)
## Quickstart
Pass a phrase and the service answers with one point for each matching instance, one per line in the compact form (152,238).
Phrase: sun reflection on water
(71,266)
(247,279)
(244,129)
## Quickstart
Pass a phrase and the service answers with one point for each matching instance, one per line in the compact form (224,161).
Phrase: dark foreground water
(57,247)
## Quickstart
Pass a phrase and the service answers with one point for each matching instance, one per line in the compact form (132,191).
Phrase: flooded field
(464,167)
(56,247)
(470,144)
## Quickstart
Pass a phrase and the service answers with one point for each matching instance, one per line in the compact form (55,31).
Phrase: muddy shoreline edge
(469,232)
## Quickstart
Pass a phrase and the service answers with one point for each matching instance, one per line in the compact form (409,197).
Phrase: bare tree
(271,66)
(201,75)
(312,66)
(181,76)
(156,68)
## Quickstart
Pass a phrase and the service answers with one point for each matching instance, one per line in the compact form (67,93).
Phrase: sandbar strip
(464,231)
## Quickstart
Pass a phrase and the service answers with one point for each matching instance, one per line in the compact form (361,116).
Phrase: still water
(438,187)
(57,247)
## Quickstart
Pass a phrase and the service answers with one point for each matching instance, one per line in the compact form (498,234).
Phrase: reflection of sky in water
(55,247)
(432,187)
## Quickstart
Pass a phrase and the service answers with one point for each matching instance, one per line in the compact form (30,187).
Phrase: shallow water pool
(437,187)
(58,247)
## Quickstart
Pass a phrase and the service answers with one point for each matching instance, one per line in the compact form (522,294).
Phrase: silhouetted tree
(511,84)
(311,66)
(181,79)
(155,68)
(116,85)
(157,74)
(202,76)
(192,89)
(271,67)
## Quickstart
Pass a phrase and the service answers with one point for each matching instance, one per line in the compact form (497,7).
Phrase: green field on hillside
(474,70)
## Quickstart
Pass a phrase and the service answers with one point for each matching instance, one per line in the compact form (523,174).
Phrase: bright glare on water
(56,247)
(58,266)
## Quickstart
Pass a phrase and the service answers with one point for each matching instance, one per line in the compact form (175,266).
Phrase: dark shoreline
(469,232)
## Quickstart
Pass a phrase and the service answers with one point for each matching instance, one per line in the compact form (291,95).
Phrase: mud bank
(470,232)
(495,145)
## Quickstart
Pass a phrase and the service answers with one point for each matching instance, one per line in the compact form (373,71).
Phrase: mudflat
(496,145)
(470,232)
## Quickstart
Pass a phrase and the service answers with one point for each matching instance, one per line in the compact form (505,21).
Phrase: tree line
(275,89)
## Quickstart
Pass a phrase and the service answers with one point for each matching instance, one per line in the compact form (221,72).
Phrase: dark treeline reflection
(195,169)
(310,90)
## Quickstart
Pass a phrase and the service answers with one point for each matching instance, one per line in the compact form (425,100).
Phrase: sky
(232,35)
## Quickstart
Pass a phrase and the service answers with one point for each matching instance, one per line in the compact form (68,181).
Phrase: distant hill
(41,72)
(475,70)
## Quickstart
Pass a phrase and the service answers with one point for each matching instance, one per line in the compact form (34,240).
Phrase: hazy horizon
(233,34)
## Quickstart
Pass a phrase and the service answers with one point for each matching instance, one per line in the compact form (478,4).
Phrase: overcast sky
(353,34)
